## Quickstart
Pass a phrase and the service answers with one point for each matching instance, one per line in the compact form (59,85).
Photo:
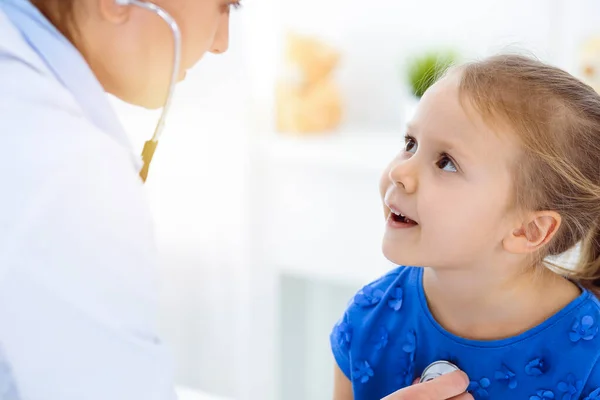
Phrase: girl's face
(131,49)
(453,180)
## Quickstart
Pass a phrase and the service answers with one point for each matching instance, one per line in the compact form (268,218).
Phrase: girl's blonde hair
(557,119)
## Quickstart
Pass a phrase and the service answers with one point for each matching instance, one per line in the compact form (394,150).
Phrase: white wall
(377,37)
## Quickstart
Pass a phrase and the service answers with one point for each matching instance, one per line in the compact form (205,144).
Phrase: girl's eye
(445,163)
(410,145)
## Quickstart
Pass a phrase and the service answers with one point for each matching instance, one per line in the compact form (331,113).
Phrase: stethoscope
(150,145)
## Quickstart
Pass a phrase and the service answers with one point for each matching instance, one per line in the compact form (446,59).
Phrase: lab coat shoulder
(77,255)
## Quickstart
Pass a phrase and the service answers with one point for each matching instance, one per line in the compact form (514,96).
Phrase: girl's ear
(534,232)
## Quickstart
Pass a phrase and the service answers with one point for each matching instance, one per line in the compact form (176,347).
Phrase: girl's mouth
(398,220)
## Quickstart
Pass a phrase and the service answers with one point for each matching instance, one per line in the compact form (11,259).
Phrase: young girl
(501,169)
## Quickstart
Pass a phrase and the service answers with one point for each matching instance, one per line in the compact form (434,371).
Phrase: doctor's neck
(60,13)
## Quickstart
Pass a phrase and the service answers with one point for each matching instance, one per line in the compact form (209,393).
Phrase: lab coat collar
(67,65)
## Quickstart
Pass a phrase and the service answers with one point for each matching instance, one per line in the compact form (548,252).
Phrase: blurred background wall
(264,187)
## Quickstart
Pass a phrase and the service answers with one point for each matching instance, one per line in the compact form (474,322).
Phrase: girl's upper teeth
(399,214)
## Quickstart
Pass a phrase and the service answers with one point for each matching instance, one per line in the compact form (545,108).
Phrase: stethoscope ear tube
(150,145)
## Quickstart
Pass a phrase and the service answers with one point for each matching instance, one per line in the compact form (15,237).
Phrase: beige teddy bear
(308,100)
(589,62)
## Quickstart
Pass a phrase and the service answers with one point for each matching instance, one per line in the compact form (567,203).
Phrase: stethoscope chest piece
(437,369)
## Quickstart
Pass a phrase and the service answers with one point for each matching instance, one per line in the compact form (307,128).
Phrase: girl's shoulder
(385,307)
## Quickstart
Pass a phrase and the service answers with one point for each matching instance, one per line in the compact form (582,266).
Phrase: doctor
(77,255)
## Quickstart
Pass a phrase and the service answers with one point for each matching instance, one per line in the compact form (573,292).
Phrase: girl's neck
(483,305)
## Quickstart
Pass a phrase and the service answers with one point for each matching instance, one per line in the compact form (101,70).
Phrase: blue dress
(388,336)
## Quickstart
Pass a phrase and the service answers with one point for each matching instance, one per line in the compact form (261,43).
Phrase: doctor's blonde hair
(557,120)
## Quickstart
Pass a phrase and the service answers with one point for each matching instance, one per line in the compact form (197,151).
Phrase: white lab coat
(77,252)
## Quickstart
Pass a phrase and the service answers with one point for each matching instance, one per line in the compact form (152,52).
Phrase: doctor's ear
(115,11)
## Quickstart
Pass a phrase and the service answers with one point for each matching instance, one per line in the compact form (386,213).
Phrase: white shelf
(322,216)
(340,273)
(314,183)
(189,394)
(371,151)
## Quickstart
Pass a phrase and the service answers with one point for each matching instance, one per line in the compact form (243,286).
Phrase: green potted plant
(424,70)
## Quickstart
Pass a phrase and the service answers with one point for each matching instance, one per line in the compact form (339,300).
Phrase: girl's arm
(342,386)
